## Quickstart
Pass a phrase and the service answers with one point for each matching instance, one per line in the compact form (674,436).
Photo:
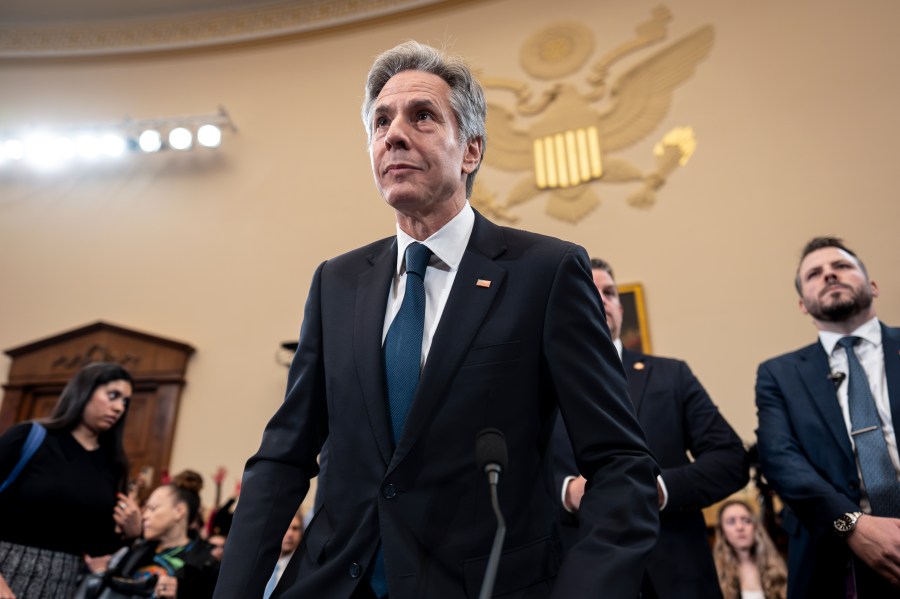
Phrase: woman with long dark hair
(747,561)
(69,500)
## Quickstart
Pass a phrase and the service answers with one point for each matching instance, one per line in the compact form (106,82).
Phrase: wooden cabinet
(40,370)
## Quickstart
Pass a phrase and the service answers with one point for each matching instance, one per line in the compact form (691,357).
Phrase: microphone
(836,378)
(490,453)
(491,458)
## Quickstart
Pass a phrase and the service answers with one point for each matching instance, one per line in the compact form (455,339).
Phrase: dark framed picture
(635,333)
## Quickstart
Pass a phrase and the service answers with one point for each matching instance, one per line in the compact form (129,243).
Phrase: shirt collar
(870,331)
(618,344)
(447,244)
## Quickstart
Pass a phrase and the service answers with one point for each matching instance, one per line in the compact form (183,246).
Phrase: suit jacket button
(389,491)
(355,570)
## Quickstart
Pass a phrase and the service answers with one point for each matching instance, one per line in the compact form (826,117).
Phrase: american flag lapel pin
(483,283)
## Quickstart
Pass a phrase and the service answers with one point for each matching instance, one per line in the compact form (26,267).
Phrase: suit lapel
(814,369)
(461,319)
(637,369)
(890,341)
(371,302)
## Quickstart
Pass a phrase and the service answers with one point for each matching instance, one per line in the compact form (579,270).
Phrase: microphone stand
(490,574)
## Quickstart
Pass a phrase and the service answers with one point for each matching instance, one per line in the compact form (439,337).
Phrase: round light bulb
(45,151)
(87,146)
(209,136)
(150,140)
(14,149)
(112,145)
(180,138)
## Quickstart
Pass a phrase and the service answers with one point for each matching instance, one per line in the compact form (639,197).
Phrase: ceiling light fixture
(52,148)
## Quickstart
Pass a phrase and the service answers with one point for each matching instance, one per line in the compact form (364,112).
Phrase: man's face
(417,158)
(292,536)
(833,287)
(610,295)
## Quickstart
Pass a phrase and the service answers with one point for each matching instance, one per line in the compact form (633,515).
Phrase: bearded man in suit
(827,440)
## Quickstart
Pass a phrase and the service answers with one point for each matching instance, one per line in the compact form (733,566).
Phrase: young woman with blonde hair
(748,564)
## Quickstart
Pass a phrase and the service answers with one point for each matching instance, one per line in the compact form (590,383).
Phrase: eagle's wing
(507,147)
(643,94)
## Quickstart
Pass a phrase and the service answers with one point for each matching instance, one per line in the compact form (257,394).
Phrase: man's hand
(574,493)
(876,541)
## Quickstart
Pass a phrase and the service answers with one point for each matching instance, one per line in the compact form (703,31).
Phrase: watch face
(843,524)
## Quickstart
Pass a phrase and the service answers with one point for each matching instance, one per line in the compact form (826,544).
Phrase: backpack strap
(32,443)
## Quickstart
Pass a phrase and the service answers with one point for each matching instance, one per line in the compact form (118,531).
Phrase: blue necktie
(879,476)
(403,343)
(402,362)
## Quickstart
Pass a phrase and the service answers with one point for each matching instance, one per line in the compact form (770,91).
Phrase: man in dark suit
(678,417)
(511,329)
(837,474)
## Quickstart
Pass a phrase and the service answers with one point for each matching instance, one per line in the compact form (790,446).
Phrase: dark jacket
(678,417)
(196,577)
(522,333)
(805,453)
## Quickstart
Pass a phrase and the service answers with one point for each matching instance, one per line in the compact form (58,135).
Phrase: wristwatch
(846,524)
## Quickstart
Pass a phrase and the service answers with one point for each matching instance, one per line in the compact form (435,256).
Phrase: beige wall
(795,111)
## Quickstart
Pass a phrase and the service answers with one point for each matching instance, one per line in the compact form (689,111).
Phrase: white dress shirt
(447,247)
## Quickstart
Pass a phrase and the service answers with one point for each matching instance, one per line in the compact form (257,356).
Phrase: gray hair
(466,95)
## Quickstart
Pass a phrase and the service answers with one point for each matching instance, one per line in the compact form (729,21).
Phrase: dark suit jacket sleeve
(720,462)
(564,464)
(619,514)
(784,461)
(276,478)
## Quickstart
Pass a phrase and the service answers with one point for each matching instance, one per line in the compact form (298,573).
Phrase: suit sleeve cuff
(665,492)
(562,498)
